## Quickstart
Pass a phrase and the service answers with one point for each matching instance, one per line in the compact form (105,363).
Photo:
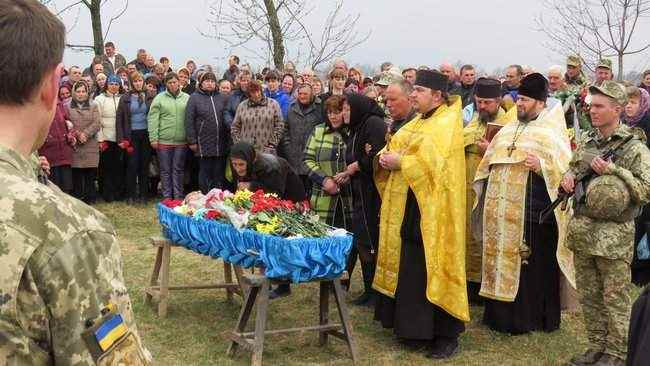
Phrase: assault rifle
(580,180)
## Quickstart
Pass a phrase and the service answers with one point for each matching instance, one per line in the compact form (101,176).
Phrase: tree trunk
(619,77)
(96,20)
(276,33)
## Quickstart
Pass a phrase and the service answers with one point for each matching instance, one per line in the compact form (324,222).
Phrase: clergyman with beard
(487,99)
(519,176)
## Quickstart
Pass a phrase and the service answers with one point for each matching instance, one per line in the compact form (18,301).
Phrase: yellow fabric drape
(433,166)
(505,193)
(472,133)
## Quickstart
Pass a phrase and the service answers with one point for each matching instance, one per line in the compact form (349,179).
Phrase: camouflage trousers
(604,290)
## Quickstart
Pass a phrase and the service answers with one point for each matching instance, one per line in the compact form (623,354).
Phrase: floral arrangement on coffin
(258,211)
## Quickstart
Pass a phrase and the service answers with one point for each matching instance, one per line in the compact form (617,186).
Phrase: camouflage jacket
(61,265)
(605,238)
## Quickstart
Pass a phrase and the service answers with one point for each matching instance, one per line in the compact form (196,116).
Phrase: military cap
(611,89)
(389,77)
(604,62)
(573,61)
(607,197)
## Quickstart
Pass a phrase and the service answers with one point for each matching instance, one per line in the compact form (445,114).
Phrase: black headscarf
(362,108)
(245,151)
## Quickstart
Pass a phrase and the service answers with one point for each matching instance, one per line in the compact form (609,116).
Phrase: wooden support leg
(260,324)
(164,281)
(227,276)
(155,275)
(345,318)
(324,309)
(239,274)
(244,315)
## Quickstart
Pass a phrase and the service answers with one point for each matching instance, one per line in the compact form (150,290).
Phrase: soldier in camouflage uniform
(63,300)
(601,231)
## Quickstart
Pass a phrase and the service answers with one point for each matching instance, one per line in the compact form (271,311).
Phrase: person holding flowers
(111,169)
(272,174)
(324,159)
(132,136)
(84,115)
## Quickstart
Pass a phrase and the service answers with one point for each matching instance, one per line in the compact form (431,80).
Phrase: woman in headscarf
(367,137)
(637,114)
(84,115)
(269,173)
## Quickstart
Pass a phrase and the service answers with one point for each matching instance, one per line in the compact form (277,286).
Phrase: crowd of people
(523,193)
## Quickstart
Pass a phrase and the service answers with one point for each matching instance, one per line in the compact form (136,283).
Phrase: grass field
(195,330)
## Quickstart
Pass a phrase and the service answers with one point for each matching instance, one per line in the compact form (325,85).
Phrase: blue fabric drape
(299,260)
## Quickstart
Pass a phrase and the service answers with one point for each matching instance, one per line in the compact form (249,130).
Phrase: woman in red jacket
(58,149)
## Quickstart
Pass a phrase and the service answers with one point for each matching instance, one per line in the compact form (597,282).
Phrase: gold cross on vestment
(511,148)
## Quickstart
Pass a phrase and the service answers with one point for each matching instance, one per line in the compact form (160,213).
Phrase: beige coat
(86,120)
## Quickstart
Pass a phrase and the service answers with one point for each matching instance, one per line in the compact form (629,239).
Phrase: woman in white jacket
(111,164)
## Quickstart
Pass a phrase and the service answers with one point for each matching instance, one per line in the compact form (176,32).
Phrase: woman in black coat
(207,132)
(367,138)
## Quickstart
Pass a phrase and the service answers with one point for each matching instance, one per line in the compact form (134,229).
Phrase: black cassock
(537,304)
(638,346)
(410,314)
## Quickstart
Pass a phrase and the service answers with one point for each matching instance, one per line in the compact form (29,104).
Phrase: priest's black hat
(431,79)
(487,88)
(534,86)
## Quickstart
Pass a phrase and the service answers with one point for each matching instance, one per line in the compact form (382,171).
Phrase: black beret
(487,88)
(431,79)
(534,86)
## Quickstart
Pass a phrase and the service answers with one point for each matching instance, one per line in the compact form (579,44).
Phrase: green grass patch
(198,322)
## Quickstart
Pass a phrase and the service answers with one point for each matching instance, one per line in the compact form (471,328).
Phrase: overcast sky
(489,34)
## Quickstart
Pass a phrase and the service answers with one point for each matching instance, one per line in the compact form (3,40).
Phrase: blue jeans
(172,166)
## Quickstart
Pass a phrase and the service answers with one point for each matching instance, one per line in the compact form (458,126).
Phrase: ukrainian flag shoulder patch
(110,331)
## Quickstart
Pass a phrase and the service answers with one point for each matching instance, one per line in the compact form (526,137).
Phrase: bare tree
(95,7)
(594,29)
(279,25)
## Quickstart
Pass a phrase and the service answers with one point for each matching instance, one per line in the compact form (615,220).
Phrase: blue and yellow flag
(109,332)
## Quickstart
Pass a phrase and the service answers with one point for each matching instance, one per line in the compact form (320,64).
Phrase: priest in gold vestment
(519,176)
(487,99)
(420,271)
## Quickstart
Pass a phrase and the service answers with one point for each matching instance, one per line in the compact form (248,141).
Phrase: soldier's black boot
(588,358)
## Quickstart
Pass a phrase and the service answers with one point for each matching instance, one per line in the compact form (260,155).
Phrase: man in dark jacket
(139,61)
(111,59)
(467,80)
(207,133)
(304,114)
(237,96)
(233,69)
